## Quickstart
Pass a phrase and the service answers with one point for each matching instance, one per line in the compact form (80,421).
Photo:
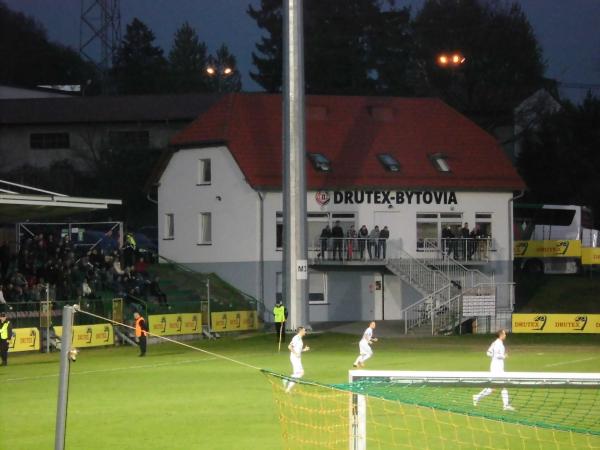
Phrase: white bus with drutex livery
(557,239)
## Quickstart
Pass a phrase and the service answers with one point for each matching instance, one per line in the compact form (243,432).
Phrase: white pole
(63,380)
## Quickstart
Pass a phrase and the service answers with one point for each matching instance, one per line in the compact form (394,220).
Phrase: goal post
(441,410)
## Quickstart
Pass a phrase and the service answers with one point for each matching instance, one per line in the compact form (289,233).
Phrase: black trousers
(280,328)
(142,343)
(4,351)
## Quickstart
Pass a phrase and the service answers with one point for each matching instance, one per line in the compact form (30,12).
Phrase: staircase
(442,282)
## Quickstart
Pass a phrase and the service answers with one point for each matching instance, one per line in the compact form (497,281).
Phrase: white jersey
(297,346)
(498,354)
(368,335)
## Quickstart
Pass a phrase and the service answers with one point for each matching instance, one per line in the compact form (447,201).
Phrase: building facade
(414,166)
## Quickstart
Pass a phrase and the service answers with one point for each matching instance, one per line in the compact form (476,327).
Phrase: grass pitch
(183,399)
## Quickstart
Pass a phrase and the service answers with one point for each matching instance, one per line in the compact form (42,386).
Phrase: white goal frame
(358,402)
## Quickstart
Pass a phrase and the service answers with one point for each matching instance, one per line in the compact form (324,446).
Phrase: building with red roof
(415,166)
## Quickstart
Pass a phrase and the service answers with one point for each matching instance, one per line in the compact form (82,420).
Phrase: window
(204,228)
(440,162)
(129,139)
(320,162)
(431,225)
(169,226)
(204,171)
(483,221)
(47,141)
(316,221)
(317,287)
(389,162)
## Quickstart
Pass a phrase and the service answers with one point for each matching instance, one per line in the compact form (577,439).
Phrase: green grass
(558,293)
(178,398)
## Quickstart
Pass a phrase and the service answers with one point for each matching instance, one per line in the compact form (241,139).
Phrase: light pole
(219,72)
(450,60)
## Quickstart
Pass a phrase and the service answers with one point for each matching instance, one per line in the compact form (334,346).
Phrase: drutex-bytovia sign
(375,197)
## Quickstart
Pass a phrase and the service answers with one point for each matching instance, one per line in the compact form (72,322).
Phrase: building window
(433,226)
(316,222)
(129,139)
(320,162)
(440,162)
(317,287)
(204,228)
(483,223)
(204,171)
(169,226)
(45,141)
(389,162)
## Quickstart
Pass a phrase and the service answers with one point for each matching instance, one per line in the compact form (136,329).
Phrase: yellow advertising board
(547,249)
(556,323)
(590,256)
(24,340)
(95,335)
(175,324)
(234,321)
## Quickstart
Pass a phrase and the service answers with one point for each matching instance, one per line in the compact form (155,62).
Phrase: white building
(413,165)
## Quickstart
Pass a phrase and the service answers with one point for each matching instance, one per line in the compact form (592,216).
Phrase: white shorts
(297,368)
(365,348)
(497,366)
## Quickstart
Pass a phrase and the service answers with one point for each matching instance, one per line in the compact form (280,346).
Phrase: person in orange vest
(141,331)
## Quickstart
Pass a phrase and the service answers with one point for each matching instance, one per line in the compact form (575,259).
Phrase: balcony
(348,251)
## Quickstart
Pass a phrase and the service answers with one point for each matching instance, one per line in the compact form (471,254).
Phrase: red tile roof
(351,132)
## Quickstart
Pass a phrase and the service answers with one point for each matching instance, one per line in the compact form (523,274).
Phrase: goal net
(441,410)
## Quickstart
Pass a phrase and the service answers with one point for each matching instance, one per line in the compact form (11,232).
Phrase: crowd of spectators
(73,273)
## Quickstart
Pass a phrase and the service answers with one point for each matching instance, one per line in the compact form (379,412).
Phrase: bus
(554,239)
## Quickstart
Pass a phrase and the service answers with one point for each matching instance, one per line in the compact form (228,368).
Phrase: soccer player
(364,346)
(498,354)
(296,348)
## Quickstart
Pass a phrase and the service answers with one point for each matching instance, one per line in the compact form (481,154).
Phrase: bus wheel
(534,267)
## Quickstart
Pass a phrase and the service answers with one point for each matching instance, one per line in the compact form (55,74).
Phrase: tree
(560,160)
(187,62)
(504,60)
(28,58)
(139,66)
(351,46)
(226,77)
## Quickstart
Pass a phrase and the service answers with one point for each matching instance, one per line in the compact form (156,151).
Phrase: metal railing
(455,271)
(416,272)
(348,249)
(460,249)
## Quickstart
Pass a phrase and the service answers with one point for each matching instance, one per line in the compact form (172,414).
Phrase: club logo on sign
(322,198)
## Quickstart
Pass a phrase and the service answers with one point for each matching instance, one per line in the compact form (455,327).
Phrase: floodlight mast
(63,380)
(295,266)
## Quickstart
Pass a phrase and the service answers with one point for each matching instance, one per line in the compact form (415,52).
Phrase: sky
(568,30)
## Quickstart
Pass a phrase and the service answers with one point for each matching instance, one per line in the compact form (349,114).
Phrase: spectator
(350,238)
(141,267)
(447,237)
(363,234)
(382,242)
(157,292)
(464,241)
(372,243)
(337,234)
(325,236)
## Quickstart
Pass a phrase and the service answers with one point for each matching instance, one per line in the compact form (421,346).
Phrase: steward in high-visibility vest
(280,313)
(6,333)
(130,240)
(141,331)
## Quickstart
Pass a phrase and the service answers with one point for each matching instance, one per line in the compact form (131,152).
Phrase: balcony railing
(349,249)
(460,249)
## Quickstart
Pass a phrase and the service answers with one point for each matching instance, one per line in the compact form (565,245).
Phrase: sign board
(95,335)
(301,269)
(24,340)
(175,324)
(479,305)
(590,256)
(234,321)
(556,323)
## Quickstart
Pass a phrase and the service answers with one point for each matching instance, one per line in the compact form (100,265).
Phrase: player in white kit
(498,354)
(364,346)
(296,348)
